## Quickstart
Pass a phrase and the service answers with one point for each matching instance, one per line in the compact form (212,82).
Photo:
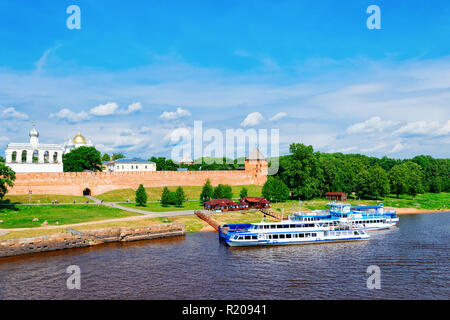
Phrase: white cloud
(278,116)
(431,128)
(105,109)
(371,125)
(398,147)
(70,116)
(132,108)
(169,115)
(11,113)
(253,119)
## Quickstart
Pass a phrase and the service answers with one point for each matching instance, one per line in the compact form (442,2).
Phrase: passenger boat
(289,232)
(364,217)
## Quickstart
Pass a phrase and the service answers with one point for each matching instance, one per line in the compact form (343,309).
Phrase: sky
(137,73)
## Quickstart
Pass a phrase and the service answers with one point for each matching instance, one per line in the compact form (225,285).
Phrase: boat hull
(278,243)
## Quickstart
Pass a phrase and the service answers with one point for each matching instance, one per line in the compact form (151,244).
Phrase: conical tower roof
(256,155)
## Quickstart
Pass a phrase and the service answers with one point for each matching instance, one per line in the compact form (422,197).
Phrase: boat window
(292,226)
(248,237)
(288,236)
(266,227)
(275,236)
(285,226)
(281,236)
(298,226)
(301,235)
(338,233)
(272,226)
(254,238)
(356,233)
(313,234)
(279,226)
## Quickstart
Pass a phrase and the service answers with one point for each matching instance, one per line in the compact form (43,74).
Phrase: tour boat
(289,232)
(364,217)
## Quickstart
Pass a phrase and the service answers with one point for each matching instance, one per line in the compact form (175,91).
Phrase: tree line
(308,174)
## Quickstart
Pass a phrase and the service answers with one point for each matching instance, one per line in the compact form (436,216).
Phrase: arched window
(46,157)
(14,156)
(24,156)
(55,157)
(35,156)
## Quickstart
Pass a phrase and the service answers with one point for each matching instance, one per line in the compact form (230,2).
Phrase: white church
(40,157)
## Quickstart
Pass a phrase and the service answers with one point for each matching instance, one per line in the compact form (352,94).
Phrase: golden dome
(79,139)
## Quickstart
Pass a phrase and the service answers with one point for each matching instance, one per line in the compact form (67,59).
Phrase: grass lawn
(22,216)
(154,193)
(43,198)
(43,232)
(157,207)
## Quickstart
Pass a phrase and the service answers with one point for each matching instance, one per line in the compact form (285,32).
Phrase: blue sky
(137,71)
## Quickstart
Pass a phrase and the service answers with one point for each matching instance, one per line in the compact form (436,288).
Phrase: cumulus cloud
(278,116)
(169,115)
(132,108)
(102,110)
(431,128)
(253,119)
(11,113)
(70,116)
(371,125)
(105,109)
(398,147)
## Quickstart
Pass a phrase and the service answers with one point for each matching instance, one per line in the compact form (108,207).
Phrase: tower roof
(256,155)
(34,132)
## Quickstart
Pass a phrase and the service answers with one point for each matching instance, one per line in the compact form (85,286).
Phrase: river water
(413,259)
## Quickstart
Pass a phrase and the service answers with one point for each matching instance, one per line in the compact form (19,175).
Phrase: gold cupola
(79,139)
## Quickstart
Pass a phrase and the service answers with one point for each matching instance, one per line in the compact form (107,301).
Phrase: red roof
(254,199)
(216,202)
(335,193)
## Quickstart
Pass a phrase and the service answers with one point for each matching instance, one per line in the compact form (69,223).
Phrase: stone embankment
(77,239)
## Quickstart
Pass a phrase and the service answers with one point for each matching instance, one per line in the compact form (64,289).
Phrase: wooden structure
(255,203)
(222,205)
(336,196)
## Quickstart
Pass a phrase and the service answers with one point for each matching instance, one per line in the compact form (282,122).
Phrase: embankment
(76,239)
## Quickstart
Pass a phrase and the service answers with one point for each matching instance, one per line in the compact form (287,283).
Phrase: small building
(130,165)
(221,204)
(336,196)
(255,203)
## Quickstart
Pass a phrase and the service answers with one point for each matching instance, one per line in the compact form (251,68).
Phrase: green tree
(372,183)
(166,197)
(275,189)
(2,160)
(398,177)
(7,177)
(223,191)
(243,193)
(141,196)
(415,179)
(207,192)
(179,196)
(106,157)
(117,156)
(81,159)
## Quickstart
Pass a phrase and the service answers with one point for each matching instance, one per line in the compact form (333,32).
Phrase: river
(413,259)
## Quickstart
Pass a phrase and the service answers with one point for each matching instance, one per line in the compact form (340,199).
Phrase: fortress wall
(73,183)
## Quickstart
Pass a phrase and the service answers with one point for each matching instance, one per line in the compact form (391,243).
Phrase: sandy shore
(411,210)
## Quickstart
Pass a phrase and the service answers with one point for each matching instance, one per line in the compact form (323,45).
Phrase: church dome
(34,132)
(79,139)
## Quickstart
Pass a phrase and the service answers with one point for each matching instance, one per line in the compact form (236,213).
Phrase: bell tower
(257,167)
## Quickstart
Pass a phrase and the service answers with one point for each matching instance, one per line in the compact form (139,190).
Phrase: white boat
(289,232)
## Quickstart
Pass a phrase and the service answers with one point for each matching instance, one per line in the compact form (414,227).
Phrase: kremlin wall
(95,183)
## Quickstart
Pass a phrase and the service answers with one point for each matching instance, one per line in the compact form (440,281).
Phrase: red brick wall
(73,183)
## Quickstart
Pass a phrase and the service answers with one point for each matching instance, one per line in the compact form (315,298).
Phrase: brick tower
(256,166)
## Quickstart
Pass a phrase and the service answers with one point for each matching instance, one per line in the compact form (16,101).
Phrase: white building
(34,156)
(130,165)
(77,141)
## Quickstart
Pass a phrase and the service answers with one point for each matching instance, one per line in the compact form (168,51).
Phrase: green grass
(22,216)
(43,198)
(154,193)
(157,207)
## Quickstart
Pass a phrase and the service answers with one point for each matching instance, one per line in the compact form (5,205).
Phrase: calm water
(414,262)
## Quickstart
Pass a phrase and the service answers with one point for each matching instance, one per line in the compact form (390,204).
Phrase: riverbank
(72,238)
